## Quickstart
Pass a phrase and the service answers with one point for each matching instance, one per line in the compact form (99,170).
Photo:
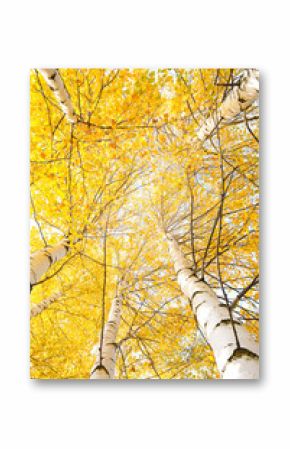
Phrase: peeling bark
(104,367)
(239,99)
(42,260)
(234,359)
(56,84)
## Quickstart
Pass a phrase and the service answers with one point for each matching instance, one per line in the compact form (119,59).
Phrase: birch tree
(235,351)
(37,309)
(104,367)
(44,304)
(42,260)
(243,93)
(56,84)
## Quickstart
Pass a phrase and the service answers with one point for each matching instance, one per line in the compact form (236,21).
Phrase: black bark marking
(100,367)
(239,353)
(182,269)
(49,256)
(198,305)
(52,77)
(226,322)
(199,292)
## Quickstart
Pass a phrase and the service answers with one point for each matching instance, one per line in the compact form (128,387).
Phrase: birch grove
(152,176)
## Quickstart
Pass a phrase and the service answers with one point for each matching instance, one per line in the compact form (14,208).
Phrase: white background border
(176,414)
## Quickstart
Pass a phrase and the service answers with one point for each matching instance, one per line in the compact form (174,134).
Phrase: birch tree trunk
(239,99)
(42,260)
(56,84)
(234,359)
(104,367)
(36,309)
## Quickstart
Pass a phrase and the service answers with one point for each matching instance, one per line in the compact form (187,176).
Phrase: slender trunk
(56,84)
(236,354)
(104,367)
(41,260)
(36,309)
(240,98)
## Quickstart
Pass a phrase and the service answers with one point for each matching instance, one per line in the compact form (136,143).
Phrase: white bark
(41,260)
(233,361)
(56,84)
(238,99)
(36,309)
(104,367)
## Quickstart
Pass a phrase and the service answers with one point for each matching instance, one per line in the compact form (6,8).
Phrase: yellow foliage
(128,169)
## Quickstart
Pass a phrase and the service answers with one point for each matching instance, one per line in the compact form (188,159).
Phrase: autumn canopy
(144,223)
